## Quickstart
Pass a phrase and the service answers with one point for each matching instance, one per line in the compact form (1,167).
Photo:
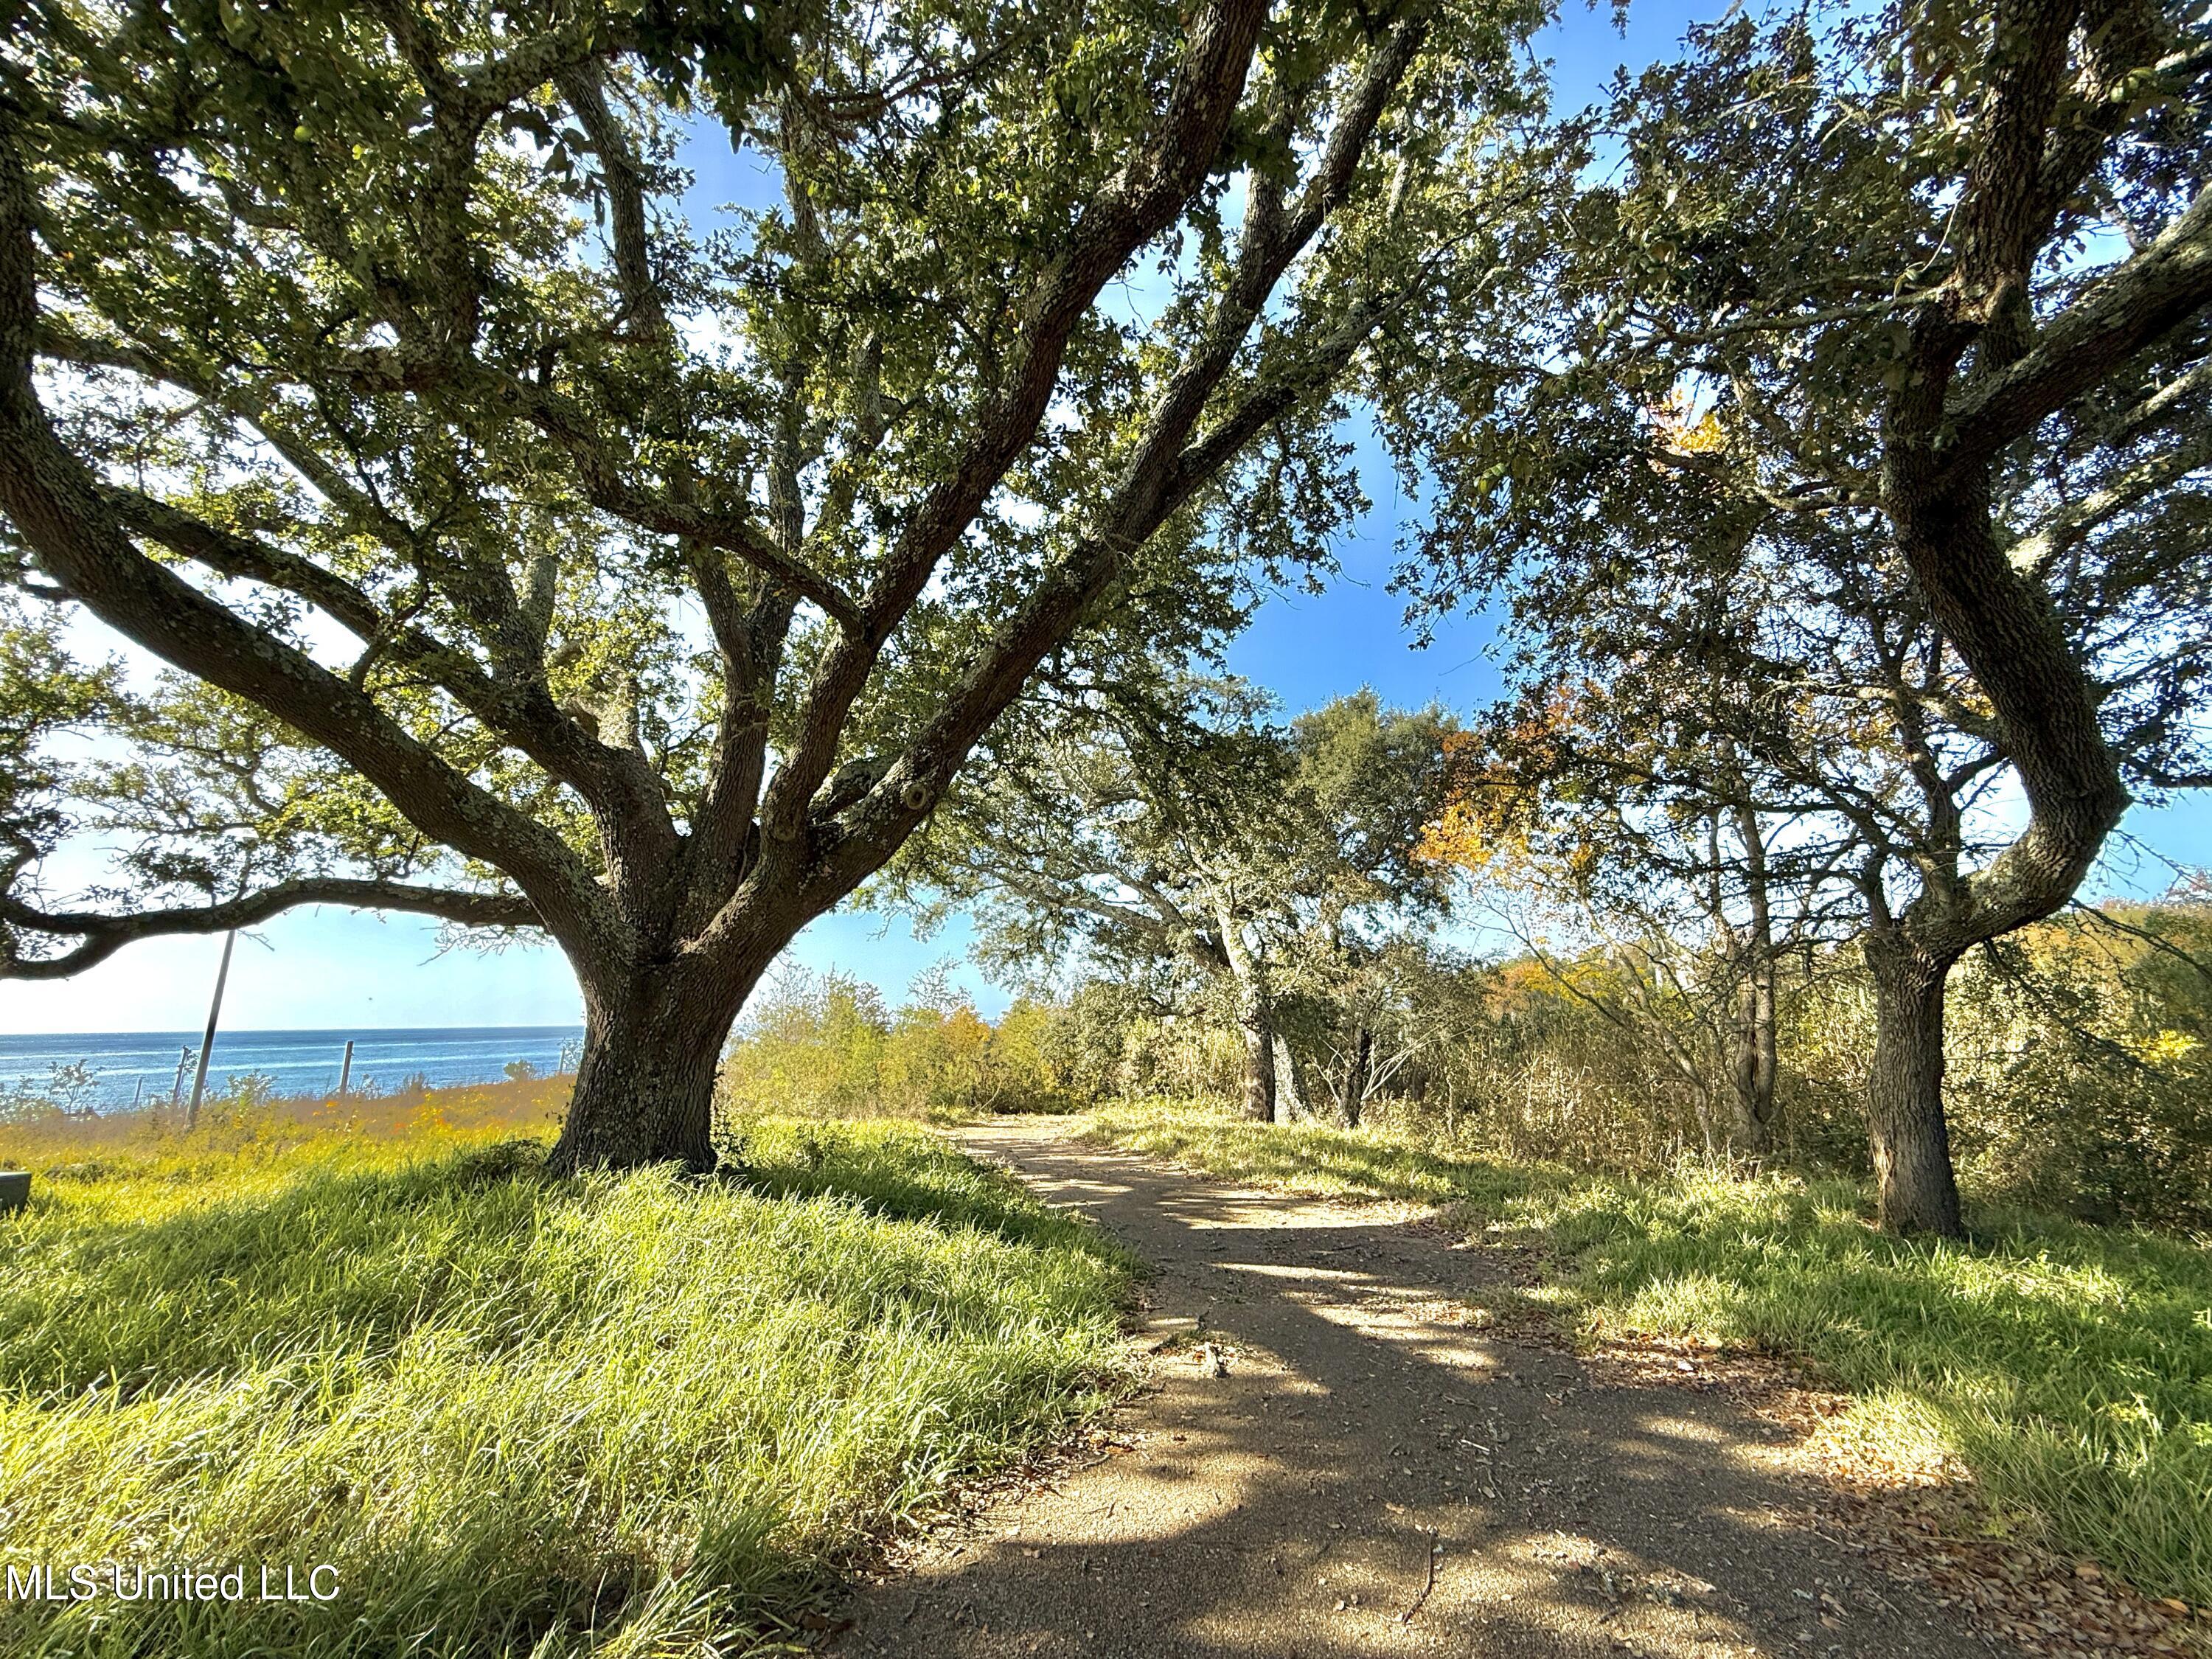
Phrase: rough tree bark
(1257,1031)
(2004,628)
(1751,1126)
(1255,1022)
(1756,1058)
(1911,1138)
(652,1046)
(1947,421)
(1290,1104)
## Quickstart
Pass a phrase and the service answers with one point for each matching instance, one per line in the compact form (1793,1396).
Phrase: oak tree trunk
(1751,1122)
(645,1090)
(1256,1017)
(1289,1103)
(1757,1055)
(1938,492)
(1359,1066)
(1911,1138)
(1258,1030)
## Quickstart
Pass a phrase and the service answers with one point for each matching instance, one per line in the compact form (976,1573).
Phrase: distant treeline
(828,1045)
(2079,1058)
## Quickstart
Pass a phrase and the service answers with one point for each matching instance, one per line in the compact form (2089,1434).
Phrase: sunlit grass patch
(1307,1157)
(2068,1367)
(635,1415)
(245,1124)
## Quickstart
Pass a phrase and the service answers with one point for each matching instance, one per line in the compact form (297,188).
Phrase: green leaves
(726,45)
(538,523)
(1165,825)
(1709,432)
(46,697)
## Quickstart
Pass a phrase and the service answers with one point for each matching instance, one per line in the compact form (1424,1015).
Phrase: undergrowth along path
(1344,1456)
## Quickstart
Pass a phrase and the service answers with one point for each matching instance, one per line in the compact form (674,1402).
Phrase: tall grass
(2069,1367)
(247,1122)
(619,1416)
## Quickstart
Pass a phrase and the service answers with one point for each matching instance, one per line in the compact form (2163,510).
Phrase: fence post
(177,1089)
(345,1071)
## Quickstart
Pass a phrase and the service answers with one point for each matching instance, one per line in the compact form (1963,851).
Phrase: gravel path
(1376,1473)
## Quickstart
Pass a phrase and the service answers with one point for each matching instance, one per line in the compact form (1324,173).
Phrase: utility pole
(214,1010)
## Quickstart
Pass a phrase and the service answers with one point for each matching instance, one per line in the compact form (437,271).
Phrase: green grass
(621,1416)
(2068,1367)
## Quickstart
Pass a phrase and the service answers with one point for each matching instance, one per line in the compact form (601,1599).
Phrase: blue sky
(331,969)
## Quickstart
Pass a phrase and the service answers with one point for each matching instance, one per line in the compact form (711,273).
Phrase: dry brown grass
(256,1123)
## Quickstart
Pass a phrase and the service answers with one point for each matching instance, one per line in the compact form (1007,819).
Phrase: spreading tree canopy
(1176,830)
(520,549)
(1893,334)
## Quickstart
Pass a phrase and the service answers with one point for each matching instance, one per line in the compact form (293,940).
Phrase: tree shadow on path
(1379,1472)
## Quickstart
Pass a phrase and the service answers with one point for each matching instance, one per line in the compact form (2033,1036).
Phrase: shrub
(825,1046)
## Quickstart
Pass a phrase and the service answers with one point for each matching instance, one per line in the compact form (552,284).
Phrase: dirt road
(1376,1474)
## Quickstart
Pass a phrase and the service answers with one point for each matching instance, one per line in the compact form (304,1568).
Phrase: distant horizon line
(271,1031)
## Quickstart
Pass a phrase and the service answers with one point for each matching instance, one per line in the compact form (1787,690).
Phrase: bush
(66,1091)
(2079,1063)
(825,1046)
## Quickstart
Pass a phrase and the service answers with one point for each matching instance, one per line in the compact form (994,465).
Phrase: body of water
(142,1065)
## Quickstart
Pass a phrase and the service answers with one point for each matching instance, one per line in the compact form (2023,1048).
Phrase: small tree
(1620,803)
(1147,835)
(525,556)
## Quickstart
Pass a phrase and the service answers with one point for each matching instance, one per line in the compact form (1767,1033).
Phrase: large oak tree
(522,553)
(1938,277)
